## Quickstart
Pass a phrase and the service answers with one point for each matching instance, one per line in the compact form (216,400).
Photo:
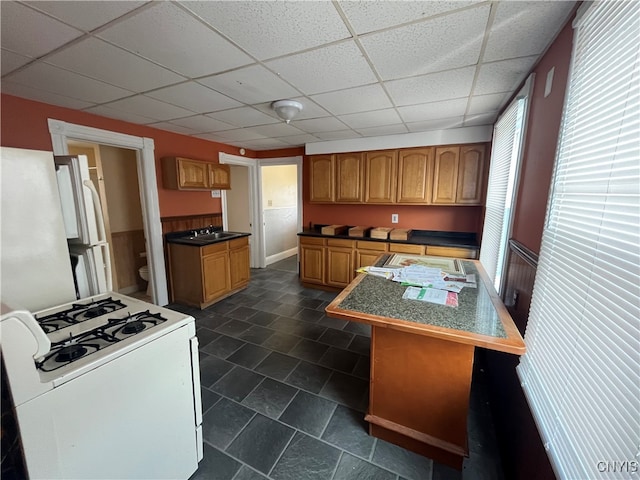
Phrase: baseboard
(281,256)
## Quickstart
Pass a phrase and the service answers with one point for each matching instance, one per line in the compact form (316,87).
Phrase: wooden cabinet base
(419,393)
(203,305)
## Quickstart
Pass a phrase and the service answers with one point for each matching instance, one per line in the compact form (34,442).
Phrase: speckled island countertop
(479,319)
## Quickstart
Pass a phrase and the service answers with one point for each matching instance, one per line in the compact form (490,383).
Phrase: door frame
(62,131)
(258,252)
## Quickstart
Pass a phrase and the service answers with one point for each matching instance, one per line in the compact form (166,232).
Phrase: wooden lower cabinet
(368,252)
(332,262)
(202,276)
(312,253)
(340,263)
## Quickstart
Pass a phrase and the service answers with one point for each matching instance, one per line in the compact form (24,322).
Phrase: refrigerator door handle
(107,264)
(102,235)
(97,208)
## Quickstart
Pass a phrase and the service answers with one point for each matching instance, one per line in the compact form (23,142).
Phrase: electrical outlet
(394,218)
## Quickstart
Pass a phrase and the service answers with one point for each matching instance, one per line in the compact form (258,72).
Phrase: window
(508,136)
(581,372)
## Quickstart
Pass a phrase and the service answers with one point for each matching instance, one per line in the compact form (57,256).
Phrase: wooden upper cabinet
(471,175)
(380,176)
(349,171)
(321,178)
(192,174)
(185,174)
(445,175)
(219,176)
(415,171)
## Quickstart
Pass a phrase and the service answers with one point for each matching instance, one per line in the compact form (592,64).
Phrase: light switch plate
(216,194)
(394,218)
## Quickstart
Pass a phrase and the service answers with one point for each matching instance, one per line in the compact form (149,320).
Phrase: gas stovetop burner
(75,347)
(70,353)
(133,327)
(133,323)
(79,312)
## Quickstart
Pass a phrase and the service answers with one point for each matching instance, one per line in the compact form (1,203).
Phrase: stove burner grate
(70,353)
(79,312)
(75,347)
(133,323)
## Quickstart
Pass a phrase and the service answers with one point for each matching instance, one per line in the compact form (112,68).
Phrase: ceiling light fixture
(287,109)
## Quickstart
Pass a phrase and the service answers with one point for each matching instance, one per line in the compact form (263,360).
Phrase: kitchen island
(422,359)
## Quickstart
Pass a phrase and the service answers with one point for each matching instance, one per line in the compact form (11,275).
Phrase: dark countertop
(203,236)
(479,319)
(418,237)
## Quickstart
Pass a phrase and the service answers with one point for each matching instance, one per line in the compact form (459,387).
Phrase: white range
(107,387)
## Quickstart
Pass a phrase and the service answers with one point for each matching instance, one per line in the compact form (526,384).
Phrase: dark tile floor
(285,388)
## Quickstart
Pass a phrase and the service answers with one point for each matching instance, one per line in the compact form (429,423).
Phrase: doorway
(252,200)
(61,132)
(114,174)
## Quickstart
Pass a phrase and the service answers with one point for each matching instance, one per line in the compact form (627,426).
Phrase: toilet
(144,274)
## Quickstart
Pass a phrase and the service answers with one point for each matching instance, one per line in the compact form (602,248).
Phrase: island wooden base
(419,395)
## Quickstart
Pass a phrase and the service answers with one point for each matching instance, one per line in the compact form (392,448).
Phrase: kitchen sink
(213,236)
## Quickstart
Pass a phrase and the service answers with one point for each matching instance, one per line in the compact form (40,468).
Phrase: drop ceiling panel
(12,61)
(31,33)
(316,125)
(244,117)
(353,100)
(20,90)
(172,127)
(86,16)
(369,16)
(270,29)
(298,139)
(524,28)
(253,84)
(150,107)
(116,66)
(486,103)
(203,123)
(433,110)
(194,97)
(384,130)
(240,134)
(338,135)
(277,130)
(171,37)
(481,119)
(330,68)
(119,114)
(503,76)
(432,87)
(265,143)
(62,82)
(371,119)
(437,124)
(442,43)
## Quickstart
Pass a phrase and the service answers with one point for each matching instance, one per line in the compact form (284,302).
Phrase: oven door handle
(195,371)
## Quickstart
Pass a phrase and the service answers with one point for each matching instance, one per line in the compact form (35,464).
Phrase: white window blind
(494,218)
(581,372)
(505,159)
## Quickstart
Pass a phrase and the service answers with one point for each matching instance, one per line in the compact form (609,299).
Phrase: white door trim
(258,250)
(62,131)
(255,205)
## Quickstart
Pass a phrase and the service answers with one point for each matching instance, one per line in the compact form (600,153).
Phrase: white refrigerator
(84,226)
(35,247)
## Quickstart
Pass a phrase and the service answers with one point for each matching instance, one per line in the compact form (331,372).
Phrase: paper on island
(431,295)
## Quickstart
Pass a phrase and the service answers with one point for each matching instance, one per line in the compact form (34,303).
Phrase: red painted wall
(545,115)
(24,125)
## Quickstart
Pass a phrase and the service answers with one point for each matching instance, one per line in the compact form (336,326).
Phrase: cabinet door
(192,174)
(366,258)
(215,272)
(321,178)
(312,263)
(339,266)
(349,177)
(471,179)
(457,252)
(380,176)
(445,175)
(239,263)
(414,175)
(219,177)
